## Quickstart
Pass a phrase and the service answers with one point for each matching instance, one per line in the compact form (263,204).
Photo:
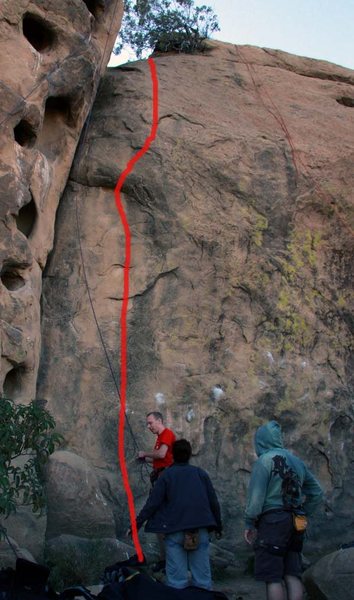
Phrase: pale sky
(322,29)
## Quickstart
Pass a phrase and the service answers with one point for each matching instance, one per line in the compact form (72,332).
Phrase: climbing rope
(17,107)
(78,156)
(275,112)
(272,109)
(104,347)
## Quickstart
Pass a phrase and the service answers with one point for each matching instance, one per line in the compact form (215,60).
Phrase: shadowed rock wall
(239,308)
(51,57)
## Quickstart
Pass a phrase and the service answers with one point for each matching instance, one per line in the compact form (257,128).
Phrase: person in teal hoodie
(282,494)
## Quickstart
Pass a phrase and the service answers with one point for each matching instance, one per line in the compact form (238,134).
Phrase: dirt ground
(242,588)
(236,586)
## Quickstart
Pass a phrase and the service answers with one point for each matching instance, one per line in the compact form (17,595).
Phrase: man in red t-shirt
(161,457)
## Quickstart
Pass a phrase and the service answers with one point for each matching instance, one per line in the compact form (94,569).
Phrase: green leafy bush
(27,438)
(165,25)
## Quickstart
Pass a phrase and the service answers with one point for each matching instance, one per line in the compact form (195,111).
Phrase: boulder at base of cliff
(75,503)
(332,577)
(9,554)
(76,560)
(28,529)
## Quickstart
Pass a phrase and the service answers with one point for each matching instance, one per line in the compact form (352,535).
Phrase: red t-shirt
(167,438)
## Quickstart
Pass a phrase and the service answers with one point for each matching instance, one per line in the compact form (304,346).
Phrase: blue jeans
(179,561)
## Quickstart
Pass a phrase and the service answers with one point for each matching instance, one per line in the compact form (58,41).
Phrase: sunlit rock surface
(239,310)
(52,55)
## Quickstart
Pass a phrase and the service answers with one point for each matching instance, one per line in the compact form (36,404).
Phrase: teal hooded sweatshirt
(279,480)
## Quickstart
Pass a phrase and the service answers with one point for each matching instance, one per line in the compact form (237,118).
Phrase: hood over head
(267,437)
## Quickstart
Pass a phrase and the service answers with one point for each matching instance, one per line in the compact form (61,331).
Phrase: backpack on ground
(29,581)
(133,585)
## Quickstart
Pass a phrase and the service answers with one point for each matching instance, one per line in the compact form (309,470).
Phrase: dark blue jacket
(182,498)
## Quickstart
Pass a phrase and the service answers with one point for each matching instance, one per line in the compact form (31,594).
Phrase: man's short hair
(155,414)
(181,451)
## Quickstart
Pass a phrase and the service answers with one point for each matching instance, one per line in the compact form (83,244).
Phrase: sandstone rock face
(332,577)
(51,57)
(240,278)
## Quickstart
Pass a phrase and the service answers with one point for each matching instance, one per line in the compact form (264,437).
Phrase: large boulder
(77,560)
(332,577)
(10,551)
(30,528)
(76,505)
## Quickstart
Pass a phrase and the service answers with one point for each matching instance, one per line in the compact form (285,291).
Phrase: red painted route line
(124,310)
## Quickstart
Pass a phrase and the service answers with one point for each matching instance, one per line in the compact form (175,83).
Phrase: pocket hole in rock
(11,279)
(95,7)
(26,218)
(346,101)
(13,382)
(37,31)
(24,134)
(58,113)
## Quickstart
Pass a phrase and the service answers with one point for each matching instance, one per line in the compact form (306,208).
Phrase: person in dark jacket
(161,458)
(184,507)
(282,493)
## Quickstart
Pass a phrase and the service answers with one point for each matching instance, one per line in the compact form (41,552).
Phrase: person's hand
(141,455)
(128,533)
(218,533)
(250,535)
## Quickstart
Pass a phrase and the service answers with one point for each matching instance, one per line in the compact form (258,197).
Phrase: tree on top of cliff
(165,25)
(27,438)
